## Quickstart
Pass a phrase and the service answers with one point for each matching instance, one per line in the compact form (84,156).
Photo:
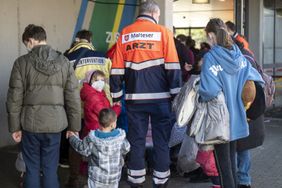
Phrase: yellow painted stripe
(117,20)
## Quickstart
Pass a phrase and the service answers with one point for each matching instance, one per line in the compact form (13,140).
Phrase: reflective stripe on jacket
(147,61)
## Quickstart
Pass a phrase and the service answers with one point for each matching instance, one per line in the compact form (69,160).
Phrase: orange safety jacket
(146,59)
(241,39)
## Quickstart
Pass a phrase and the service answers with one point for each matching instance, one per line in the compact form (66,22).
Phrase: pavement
(266,169)
(274,113)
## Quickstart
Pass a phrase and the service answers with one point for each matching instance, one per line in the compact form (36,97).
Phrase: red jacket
(94,102)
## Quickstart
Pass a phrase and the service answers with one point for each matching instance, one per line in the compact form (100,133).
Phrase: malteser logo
(141,36)
(126,37)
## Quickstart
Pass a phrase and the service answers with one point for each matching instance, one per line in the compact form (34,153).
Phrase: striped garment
(105,155)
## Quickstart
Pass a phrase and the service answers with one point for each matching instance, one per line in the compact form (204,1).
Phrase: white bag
(184,102)
(186,161)
(210,124)
(198,118)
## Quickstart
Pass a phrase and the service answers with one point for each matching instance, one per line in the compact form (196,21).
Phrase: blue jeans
(41,154)
(243,167)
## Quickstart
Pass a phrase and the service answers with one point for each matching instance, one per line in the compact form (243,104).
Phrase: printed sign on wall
(109,19)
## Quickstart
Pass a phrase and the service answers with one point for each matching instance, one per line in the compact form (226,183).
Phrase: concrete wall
(57,17)
(166,13)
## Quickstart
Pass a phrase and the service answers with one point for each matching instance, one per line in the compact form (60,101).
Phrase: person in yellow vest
(85,59)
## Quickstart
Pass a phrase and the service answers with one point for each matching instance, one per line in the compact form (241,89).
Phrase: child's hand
(117,103)
(188,67)
(71,133)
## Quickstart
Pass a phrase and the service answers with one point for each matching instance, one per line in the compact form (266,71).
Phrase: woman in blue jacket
(226,69)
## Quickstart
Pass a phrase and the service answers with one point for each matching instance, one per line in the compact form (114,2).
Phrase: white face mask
(98,85)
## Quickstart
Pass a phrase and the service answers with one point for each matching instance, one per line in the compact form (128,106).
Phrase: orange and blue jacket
(241,39)
(146,60)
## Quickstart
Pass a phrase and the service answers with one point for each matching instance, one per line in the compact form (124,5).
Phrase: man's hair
(189,41)
(106,117)
(84,34)
(231,26)
(35,32)
(181,38)
(148,6)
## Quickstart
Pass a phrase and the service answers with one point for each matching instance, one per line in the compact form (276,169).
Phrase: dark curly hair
(35,32)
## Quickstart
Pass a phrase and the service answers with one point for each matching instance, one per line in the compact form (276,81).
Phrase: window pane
(182,31)
(278,53)
(199,36)
(278,36)
(268,36)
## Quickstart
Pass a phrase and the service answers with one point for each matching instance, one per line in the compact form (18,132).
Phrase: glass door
(272,44)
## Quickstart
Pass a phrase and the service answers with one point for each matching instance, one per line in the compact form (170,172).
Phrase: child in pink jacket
(205,157)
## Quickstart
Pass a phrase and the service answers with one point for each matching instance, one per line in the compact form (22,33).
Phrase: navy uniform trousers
(138,121)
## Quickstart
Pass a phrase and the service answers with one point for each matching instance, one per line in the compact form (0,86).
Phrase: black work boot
(135,185)
(160,185)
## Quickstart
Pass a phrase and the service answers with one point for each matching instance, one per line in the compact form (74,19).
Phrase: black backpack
(258,106)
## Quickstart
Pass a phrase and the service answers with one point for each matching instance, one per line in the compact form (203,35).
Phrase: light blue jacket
(228,70)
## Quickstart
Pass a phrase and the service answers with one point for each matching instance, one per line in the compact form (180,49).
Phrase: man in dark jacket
(43,99)
(185,59)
